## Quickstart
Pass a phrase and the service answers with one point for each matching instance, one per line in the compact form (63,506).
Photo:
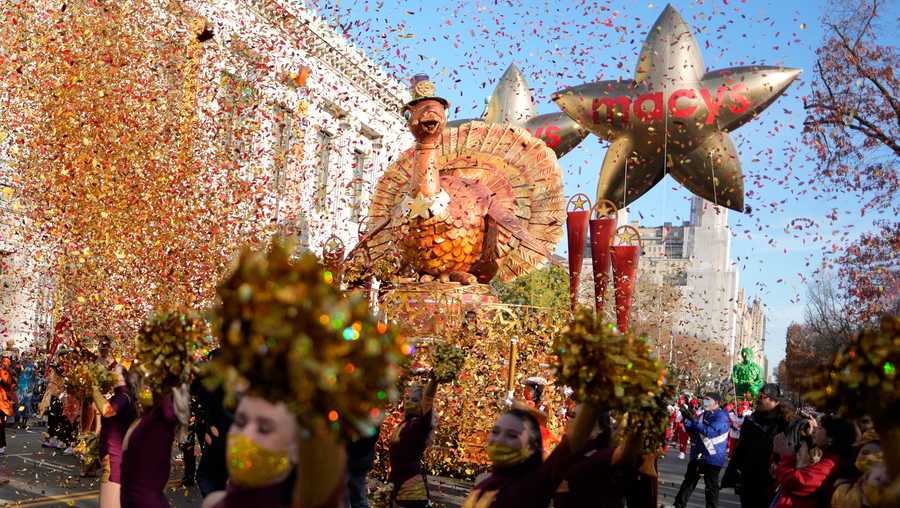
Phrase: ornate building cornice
(339,59)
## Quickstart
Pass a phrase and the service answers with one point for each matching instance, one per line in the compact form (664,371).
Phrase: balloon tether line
(712,173)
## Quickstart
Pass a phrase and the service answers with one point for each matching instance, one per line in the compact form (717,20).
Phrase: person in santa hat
(681,434)
(735,420)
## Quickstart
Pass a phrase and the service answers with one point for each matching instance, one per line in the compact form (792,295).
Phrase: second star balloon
(673,117)
(512,103)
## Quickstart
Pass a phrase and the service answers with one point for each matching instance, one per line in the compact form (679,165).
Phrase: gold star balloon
(512,103)
(673,117)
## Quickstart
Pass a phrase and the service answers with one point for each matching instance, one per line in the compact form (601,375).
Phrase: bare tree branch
(857,63)
(874,132)
(868,22)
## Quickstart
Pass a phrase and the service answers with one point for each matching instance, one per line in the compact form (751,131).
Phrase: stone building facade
(319,146)
(25,302)
(696,257)
(752,329)
(322,145)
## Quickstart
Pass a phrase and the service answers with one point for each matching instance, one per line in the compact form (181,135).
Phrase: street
(449,493)
(33,476)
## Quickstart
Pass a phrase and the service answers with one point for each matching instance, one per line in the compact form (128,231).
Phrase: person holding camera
(709,437)
(803,481)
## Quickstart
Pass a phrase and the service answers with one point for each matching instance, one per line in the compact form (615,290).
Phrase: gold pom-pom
(862,378)
(650,419)
(81,380)
(166,346)
(87,448)
(612,370)
(446,361)
(289,334)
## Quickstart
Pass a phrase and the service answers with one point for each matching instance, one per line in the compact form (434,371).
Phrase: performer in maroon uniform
(407,447)
(147,454)
(116,415)
(262,453)
(520,478)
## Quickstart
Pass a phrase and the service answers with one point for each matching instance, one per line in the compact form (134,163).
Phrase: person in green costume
(747,376)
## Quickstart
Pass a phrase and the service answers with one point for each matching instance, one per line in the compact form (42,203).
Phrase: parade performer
(597,475)
(262,453)
(520,477)
(7,397)
(60,432)
(534,393)
(212,421)
(116,415)
(308,326)
(24,389)
(147,452)
(408,444)
(166,345)
(747,376)
(709,434)
(681,435)
(670,427)
(360,460)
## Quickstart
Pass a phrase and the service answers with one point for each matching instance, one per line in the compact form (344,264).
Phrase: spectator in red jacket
(804,484)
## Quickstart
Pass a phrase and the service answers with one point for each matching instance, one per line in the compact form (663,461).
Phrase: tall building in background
(695,257)
(752,329)
(319,146)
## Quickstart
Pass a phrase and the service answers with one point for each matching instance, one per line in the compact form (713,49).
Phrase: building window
(360,167)
(674,249)
(324,147)
(676,278)
(239,119)
(284,138)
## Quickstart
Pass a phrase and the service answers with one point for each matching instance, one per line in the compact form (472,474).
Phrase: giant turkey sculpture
(468,203)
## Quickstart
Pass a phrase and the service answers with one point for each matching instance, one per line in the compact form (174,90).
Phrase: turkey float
(466,204)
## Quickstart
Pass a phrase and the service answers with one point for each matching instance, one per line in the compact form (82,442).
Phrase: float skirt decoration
(469,404)
(602,228)
(624,256)
(578,212)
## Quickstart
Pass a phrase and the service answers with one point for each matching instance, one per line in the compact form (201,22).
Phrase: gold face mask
(250,465)
(504,456)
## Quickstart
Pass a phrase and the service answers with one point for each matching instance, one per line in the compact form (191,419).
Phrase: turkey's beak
(430,122)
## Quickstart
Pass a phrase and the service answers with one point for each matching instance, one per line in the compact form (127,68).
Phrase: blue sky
(466,45)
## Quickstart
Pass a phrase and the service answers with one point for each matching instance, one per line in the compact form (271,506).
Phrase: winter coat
(807,487)
(749,465)
(709,437)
